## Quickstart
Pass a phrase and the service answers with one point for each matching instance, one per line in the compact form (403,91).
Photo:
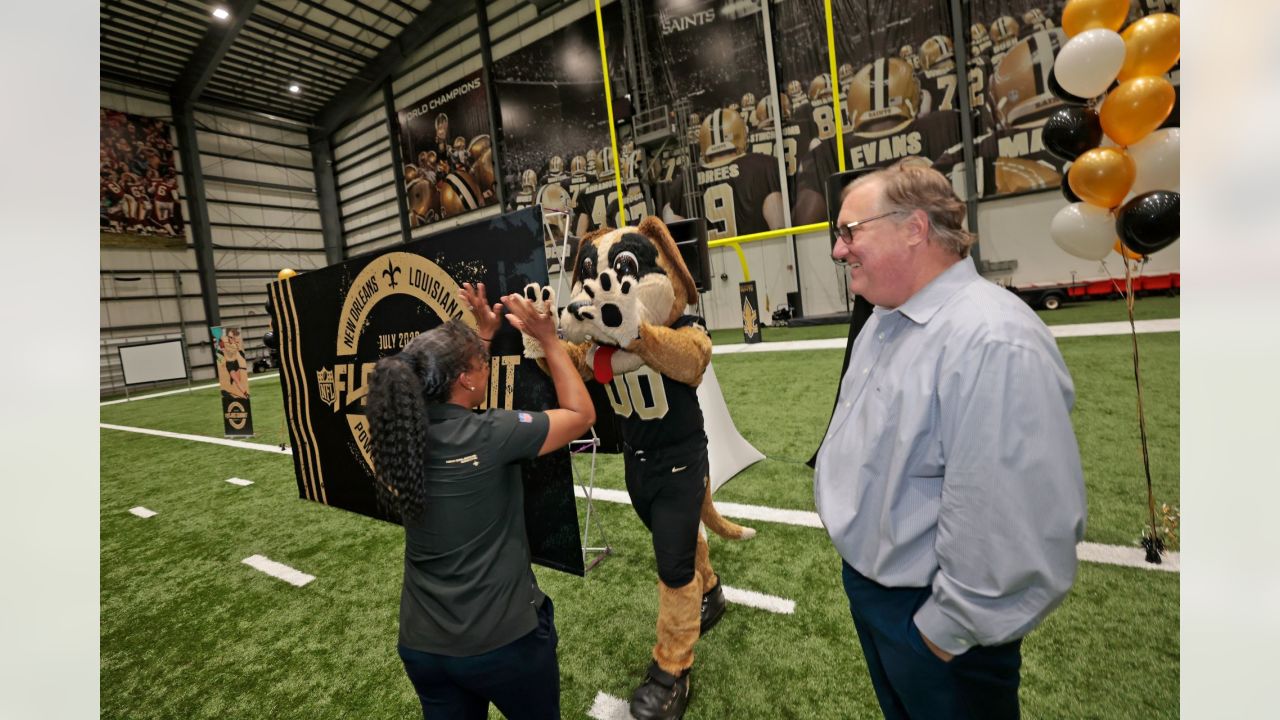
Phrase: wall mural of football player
(447,139)
(555,127)
(1015,42)
(138,182)
(740,191)
(897,83)
(710,59)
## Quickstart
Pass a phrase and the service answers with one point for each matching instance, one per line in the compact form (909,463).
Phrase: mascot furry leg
(625,327)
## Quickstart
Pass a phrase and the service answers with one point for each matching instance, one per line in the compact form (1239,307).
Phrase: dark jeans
(521,678)
(666,488)
(913,683)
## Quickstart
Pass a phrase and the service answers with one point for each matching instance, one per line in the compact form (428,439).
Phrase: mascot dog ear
(681,279)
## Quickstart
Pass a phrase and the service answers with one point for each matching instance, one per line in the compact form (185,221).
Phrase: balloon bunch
(1123,180)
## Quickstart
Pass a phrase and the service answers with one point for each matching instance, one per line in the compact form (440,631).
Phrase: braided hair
(400,389)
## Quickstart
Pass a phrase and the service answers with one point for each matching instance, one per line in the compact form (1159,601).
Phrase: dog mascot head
(623,278)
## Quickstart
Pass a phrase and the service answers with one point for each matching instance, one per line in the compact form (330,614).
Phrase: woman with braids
(474,627)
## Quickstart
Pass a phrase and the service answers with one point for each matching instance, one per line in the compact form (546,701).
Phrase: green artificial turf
(189,631)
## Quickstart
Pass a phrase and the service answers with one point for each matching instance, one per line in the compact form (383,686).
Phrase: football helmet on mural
(908,53)
(556,204)
(722,137)
(845,76)
(1004,33)
(459,193)
(795,91)
(820,89)
(1019,86)
(762,116)
(556,165)
(884,97)
(578,165)
(528,180)
(479,145)
(424,202)
(482,169)
(1036,20)
(937,54)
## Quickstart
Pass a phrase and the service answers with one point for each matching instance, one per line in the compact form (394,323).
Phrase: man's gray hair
(908,185)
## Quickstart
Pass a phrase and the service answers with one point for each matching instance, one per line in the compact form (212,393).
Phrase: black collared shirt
(468,587)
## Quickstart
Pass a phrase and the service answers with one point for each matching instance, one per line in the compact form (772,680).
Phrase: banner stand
(751,329)
(588,488)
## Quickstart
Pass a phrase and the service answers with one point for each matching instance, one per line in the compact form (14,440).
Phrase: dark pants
(521,678)
(666,488)
(913,683)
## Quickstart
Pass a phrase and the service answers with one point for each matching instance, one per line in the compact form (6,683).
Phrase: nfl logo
(324,378)
(525,417)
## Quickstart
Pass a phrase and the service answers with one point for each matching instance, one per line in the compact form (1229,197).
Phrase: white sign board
(153,362)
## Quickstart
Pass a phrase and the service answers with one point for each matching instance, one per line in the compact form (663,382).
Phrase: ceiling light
(295,89)
(221,13)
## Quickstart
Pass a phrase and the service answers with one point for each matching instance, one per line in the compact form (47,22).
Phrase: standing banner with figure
(233,379)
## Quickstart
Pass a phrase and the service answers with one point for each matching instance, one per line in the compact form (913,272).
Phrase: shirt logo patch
(473,459)
(524,417)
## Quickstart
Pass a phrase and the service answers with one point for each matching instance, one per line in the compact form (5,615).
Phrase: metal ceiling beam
(366,82)
(204,59)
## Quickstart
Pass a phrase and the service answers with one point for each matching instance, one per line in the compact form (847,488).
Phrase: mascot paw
(544,301)
(612,317)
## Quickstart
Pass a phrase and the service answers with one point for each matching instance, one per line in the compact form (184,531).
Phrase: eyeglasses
(844,233)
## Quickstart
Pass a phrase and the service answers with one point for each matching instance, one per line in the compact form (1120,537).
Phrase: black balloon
(1062,94)
(1071,131)
(1067,192)
(269,339)
(1150,222)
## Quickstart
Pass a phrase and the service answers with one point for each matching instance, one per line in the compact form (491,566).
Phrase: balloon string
(1154,546)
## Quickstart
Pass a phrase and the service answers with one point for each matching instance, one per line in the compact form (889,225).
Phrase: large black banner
(557,151)
(712,69)
(447,148)
(335,323)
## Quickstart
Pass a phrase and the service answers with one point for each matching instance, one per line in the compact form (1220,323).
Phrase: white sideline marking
(1086,551)
(1059,331)
(296,578)
(1126,556)
(142,512)
(199,438)
(751,598)
(239,481)
(608,707)
(1089,552)
(175,392)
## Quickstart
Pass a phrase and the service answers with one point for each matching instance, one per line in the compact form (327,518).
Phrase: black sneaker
(713,605)
(662,696)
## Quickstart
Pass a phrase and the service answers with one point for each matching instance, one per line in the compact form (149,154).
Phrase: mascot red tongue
(625,327)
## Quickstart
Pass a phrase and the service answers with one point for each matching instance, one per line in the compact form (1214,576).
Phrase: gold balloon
(1151,46)
(286,273)
(1081,15)
(1102,176)
(1126,252)
(1135,108)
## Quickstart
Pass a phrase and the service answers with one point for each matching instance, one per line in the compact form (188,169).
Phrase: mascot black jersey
(644,396)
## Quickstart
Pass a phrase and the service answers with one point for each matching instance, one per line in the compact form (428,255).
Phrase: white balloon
(1156,156)
(1087,64)
(1084,230)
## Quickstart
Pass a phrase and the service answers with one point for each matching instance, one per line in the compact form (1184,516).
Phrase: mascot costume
(625,327)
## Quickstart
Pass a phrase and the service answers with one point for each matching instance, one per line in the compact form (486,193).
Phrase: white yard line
(199,438)
(281,571)
(760,601)
(182,390)
(239,481)
(142,512)
(1059,331)
(608,707)
(1089,552)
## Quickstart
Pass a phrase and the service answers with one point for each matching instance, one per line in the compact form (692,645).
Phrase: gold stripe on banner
(288,374)
(835,82)
(613,129)
(312,445)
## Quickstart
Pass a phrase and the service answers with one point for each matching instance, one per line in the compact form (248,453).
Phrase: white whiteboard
(153,362)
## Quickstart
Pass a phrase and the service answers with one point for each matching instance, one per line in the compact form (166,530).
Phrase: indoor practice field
(189,630)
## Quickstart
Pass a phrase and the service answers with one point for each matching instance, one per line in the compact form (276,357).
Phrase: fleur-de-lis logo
(390,273)
(750,318)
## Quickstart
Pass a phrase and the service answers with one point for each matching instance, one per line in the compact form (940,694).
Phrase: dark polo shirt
(468,587)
